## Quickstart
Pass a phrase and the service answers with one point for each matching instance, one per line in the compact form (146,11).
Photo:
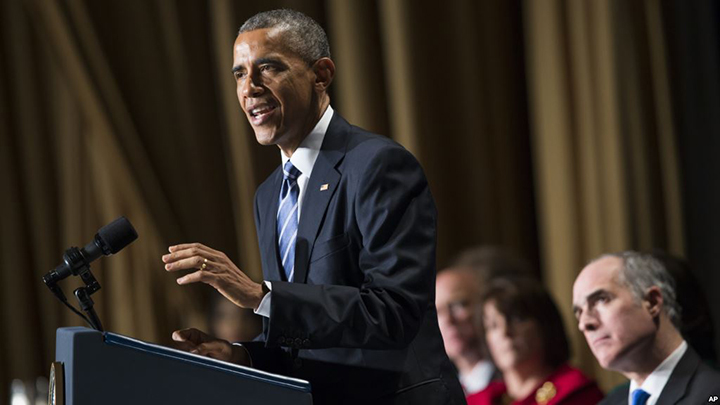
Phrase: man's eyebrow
(593,296)
(259,61)
(267,59)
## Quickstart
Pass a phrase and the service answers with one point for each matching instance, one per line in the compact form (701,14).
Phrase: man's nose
(252,87)
(587,322)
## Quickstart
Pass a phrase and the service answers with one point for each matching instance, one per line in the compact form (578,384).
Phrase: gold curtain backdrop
(547,126)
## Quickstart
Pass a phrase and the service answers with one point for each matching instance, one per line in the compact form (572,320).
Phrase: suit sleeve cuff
(264,308)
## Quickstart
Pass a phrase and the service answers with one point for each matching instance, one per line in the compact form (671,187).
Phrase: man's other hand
(198,342)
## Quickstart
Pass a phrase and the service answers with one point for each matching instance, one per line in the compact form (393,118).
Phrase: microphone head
(116,235)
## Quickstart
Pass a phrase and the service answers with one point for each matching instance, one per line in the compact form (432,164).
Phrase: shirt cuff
(264,308)
(247,352)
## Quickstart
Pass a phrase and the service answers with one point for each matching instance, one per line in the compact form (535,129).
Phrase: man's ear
(653,301)
(324,69)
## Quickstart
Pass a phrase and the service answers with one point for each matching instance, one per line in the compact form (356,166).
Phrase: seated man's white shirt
(478,378)
(303,159)
(657,380)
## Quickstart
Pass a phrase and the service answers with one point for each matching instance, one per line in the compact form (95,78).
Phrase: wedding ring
(204,265)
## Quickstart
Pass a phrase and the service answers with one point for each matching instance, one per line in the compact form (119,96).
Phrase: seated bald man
(626,308)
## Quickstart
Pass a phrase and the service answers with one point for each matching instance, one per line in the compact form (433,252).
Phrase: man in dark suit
(346,228)
(626,308)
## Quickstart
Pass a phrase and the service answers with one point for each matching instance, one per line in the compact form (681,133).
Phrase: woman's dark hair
(526,299)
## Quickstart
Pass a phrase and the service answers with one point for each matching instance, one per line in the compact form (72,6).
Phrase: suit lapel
(268,237)
(676,386)
(320,189)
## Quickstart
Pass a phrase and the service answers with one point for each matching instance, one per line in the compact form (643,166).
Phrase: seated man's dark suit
(692,382)
(358,321)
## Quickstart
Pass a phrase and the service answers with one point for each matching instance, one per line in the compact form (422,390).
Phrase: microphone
(110,239)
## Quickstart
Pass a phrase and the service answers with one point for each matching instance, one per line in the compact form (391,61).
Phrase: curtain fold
(359,88)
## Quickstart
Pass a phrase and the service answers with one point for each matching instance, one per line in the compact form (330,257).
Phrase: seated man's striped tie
(287,218)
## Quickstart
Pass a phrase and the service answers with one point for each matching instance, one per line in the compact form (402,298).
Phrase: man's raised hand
(214,268)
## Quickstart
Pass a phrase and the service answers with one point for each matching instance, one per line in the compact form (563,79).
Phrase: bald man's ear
(653,301)
(324,69)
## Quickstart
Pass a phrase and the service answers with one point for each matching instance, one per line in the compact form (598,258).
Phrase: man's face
(456,295)
(275,88)
(614,322)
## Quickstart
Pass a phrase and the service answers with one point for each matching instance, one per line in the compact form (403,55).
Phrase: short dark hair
(525,298)
(302,34)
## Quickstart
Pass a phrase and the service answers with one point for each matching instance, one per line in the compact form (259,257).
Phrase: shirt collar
(306,154)
(478,378)
(656,381)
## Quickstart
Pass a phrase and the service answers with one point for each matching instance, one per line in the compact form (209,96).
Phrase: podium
(107,368)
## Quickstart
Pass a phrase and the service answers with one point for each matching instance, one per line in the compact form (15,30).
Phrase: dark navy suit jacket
(691,382)
(359,320)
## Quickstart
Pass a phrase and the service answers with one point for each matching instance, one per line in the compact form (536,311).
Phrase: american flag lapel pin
(324,187)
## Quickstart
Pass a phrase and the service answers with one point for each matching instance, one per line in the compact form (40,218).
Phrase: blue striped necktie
(639,397)
(287,218)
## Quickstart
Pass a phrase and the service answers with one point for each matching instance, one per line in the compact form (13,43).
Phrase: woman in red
(526,337)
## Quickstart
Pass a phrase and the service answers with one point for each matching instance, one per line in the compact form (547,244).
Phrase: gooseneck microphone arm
(110,239)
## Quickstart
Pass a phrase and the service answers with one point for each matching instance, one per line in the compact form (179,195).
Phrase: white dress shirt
(656,381)
(478,378)
(303,159)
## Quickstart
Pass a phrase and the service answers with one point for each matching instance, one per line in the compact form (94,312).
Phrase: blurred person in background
(526,338)
(626,307)
(696,320)
(457,295)
(491,261)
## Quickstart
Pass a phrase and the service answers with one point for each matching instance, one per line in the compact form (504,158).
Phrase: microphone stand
(81,293)
(86,304)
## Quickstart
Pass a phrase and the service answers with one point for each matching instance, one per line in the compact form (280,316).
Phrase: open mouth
(260,113)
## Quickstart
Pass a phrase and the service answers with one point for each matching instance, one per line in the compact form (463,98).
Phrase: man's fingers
(191,335)
(217,349)
(190,250)
(185,346)
(191,247)
(183,246)
(194,341)
(182,254)
(198,276)
(193,262)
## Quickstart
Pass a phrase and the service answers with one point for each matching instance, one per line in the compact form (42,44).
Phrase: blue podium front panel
(106,368)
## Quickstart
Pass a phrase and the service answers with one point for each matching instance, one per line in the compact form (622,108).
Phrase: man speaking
(346,229)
